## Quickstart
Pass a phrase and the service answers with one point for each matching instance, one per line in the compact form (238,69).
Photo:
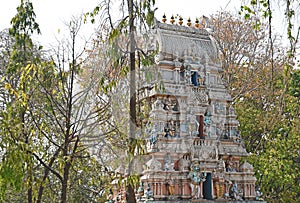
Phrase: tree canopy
(266,101)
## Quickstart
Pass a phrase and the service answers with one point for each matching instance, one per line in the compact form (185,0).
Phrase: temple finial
(180,20)
(189,22)
(172,20)
(197,25)
(164,18)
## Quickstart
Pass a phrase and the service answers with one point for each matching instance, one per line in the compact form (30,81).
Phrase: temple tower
(194,148)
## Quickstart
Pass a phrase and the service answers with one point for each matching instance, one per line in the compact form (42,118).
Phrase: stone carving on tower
(194,149)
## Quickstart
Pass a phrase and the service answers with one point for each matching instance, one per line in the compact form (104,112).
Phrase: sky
(53,14)
(195,8)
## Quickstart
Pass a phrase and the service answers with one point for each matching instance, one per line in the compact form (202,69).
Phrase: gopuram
(194,148)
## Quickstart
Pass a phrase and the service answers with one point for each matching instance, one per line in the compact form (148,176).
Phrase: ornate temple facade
(194,148)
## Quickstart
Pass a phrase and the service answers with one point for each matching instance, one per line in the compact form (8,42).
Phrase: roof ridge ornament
(180,20)
(172,21)
(164,18)
(197,25)
(189,23)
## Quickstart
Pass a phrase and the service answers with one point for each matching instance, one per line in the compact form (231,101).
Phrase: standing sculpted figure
(197,177)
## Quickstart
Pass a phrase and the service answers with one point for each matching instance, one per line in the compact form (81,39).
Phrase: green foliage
(295,84)
(11,171)
(267,104)
(277,165)
(84,186)
(46,125)
(23,26)
(16,129)
(133,180)
(272,138)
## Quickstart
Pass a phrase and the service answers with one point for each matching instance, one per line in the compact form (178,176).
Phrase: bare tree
(69,117)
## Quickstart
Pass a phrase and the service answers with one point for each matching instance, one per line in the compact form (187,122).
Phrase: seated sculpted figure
(234,192)
(149,193)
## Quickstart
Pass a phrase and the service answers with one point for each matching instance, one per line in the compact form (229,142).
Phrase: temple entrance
(207,187)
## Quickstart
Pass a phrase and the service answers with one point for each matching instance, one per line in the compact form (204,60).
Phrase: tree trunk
(130,196)
(132,72)
(68,135)
(28,160)
(64,189)
(29,194)
(46,173)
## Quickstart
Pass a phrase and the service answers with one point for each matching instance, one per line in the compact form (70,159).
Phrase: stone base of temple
(203,200)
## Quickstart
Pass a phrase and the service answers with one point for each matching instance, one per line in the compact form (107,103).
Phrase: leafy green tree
(47,122)
(268,111)
(72,118)
(295,84)
(276,147)
(17,130)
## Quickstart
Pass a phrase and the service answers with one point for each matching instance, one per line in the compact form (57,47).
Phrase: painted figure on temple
(171,186)
(219,180)
(188,74)
(149,193)
(171,129)
(152,131)
(207,123)
(197,177)
(168,163)
(234,192)
(201,75)
(258,193)
(140,191)
(230,165)
(167,130)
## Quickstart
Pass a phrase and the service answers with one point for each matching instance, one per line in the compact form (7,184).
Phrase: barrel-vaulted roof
(177,41)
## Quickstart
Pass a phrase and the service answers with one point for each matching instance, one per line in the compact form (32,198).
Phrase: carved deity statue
(258,193)
(219,180)
(167,130)
(197,177)
(188,74)
(171,129)
(152,131)
(149,193)
(230,165)
(201,75)
(207,123)
(171,186)
(234,192)
(168,163)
